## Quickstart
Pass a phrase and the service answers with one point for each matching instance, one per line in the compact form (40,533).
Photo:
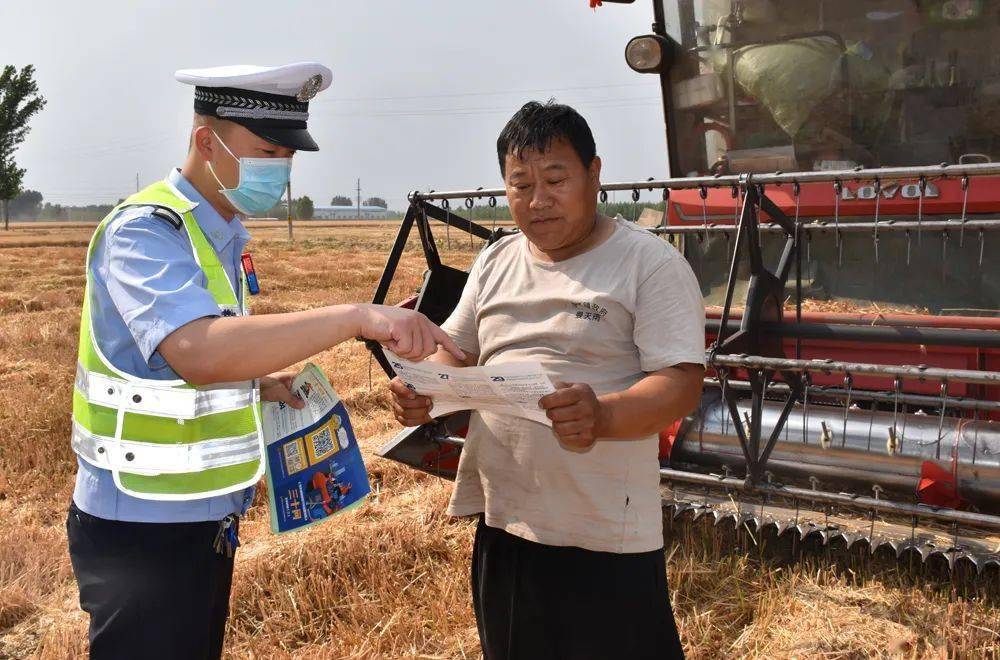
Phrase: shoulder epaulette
(152,210)
(169,215)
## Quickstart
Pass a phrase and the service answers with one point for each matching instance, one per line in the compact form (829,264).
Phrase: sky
(420,89)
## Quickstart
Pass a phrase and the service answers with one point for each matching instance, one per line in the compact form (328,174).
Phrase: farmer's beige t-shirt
(606,317)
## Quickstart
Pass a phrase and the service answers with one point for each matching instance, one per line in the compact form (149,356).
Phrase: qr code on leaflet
(322,443)
(294,460)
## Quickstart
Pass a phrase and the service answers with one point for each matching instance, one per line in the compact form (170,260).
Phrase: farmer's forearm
(652,404)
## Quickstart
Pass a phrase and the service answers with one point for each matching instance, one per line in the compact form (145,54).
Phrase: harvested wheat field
(389,580)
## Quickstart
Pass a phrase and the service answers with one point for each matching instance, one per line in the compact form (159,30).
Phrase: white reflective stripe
(150,398)
(150,458)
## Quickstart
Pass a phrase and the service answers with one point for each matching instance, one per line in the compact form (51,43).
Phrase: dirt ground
(390,580)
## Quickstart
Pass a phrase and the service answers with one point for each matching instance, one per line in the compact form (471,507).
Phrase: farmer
(167,460)
(568,558)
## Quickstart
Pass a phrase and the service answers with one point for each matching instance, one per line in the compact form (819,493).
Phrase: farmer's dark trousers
(153,590)
(540,601)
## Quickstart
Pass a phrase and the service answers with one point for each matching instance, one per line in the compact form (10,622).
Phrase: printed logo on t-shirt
(588,311)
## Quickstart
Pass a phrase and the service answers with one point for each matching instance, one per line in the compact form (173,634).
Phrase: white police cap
(270,101)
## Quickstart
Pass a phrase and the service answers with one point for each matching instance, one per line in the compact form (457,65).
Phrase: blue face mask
(263,182)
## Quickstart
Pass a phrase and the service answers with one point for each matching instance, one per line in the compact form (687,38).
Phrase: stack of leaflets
(314,465)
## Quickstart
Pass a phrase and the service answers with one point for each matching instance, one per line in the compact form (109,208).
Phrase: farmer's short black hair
(535,126)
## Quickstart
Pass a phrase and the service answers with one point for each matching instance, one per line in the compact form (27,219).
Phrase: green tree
(19,102)
(26,205)
(304,208)
(341,200)
(376,201)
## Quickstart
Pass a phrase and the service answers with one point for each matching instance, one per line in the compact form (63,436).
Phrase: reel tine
(965,206)
(878,199)
(897,385)
(703,193)
(737,195)
(849,386)
(806,382)
(470,205)
(944,256)
(447,225)
(940,435)
(838,189)
(922,188)
(666,211)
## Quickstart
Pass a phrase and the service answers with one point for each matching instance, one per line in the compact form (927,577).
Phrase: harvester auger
(852,292)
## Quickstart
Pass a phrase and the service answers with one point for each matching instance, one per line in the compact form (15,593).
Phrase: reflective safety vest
(165,439)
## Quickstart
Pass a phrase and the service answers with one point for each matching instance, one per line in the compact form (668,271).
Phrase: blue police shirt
(146,284)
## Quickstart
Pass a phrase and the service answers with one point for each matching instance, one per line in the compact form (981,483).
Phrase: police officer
(171,370)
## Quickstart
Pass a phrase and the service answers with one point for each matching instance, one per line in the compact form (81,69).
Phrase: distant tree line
(344,200)
(29,205)
(302,209)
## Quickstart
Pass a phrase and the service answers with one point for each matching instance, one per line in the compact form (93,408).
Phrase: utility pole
(359,199)
(291,239)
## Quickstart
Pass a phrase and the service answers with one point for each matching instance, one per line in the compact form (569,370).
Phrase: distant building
(349,213)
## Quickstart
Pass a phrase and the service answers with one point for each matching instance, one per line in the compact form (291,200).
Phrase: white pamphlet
(510,389)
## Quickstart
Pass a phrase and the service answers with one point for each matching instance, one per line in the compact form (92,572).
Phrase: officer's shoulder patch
(149,211)
(169,215)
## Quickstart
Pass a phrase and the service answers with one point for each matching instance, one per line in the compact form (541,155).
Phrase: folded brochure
(314,465)
(511,389)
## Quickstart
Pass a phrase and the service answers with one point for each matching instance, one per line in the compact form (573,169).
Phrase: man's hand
(576,413)
(410,408)
(278,387)
(406,333)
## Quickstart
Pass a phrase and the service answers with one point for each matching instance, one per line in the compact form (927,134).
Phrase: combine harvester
(836,155)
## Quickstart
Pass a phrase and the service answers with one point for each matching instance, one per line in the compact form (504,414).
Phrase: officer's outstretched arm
(226,349)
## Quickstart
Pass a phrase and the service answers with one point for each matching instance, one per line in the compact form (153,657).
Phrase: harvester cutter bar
(806,517)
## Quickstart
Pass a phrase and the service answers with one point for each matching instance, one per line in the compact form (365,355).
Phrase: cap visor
(292,138)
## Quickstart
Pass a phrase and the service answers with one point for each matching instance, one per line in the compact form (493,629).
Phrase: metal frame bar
(395,254)
(885,334)
(844,227)
(869,395)
(918,373)
(884,174)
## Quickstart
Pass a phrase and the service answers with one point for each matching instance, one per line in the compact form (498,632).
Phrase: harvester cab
(833,185)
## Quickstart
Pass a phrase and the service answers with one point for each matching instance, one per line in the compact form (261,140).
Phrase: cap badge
(309,88)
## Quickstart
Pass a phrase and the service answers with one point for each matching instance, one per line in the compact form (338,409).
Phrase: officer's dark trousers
(541,601)
(153,590)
